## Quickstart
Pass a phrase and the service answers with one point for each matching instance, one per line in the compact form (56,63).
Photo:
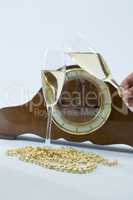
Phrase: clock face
(84,105)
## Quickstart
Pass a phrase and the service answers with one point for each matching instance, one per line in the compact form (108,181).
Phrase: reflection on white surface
(26,181)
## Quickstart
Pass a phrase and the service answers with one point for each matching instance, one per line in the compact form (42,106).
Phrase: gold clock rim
(84,133)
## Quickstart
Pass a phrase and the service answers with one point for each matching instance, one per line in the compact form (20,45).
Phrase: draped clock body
(32,118)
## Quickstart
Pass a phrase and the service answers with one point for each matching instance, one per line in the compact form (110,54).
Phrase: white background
(29,26)
(26,28)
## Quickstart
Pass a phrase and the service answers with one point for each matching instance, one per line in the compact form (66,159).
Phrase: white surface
(20,180)
(28,26)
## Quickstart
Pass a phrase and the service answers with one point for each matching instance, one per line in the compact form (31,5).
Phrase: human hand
(127,90)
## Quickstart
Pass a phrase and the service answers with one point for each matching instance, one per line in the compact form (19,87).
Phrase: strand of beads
(61,159)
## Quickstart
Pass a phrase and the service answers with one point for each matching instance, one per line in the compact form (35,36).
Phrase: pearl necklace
(61,159)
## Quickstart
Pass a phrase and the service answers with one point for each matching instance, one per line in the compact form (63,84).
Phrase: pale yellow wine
(92,63)
(52,81)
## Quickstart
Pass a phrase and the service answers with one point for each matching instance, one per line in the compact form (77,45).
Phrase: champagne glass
(53,77)
(91,61)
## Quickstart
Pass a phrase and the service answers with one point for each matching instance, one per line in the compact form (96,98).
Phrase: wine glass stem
(49,125)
